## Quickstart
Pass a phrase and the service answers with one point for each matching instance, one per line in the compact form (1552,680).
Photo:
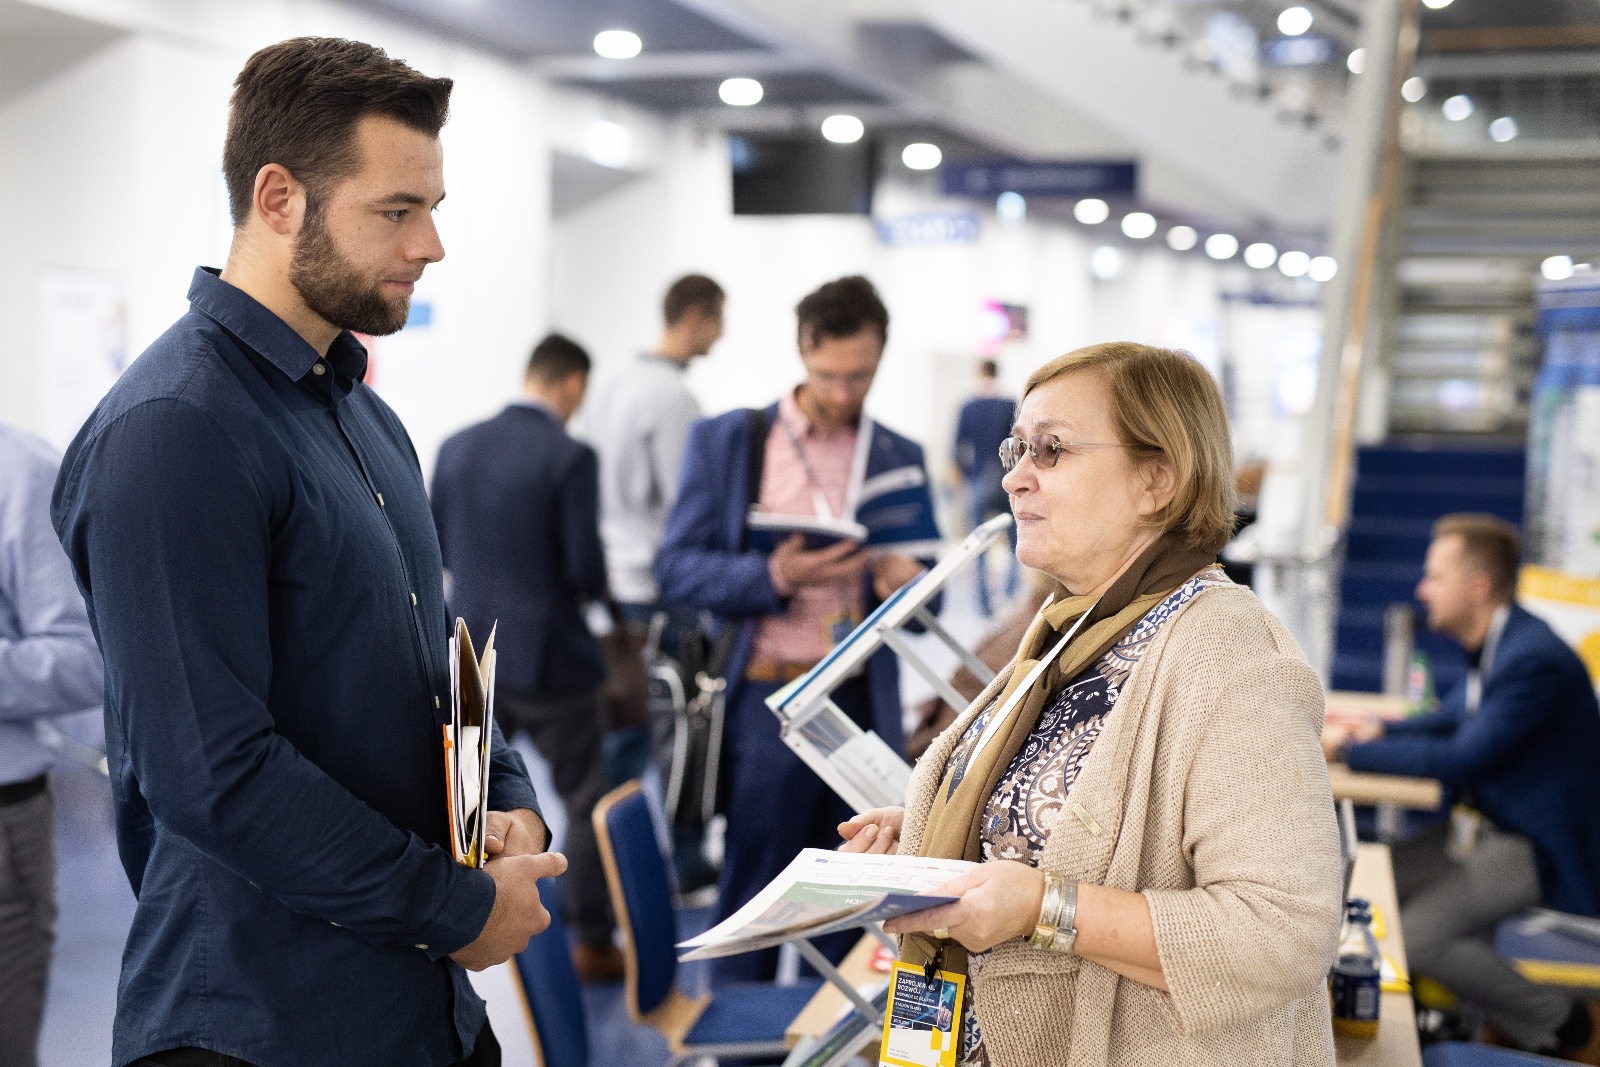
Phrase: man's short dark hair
(989,368)
(1489,543)
(296,103)
(691,291)
(556,359)
(841,309)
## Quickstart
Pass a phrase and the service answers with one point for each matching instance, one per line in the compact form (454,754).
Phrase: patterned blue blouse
(1032,793)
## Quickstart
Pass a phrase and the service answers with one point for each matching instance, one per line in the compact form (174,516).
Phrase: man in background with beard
(248,526)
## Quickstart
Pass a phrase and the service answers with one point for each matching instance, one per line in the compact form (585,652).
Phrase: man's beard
(333,287)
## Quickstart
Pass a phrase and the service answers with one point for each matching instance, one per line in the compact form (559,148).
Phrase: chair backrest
(551,994)
(641,895)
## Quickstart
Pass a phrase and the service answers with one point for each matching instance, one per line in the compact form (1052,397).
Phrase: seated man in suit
(516,502)
(1518,741)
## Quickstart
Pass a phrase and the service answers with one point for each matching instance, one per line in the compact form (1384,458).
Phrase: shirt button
(422,947)
(318,369)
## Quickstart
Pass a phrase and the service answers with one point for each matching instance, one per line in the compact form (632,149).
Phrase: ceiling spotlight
(1182,238)
(1323,268)
(617,44)
(1091,212)
(1260,255)
(740,92)
(1011,207)
(609,144)
(1293,21)
(1105,262)
(842,129)
(1435,4)
(1356,61)
(1293,264)
(1222,245)
(1557,268)
(921,156)
(1413,89)
(1503,129)
(1457,107)
(1138,224)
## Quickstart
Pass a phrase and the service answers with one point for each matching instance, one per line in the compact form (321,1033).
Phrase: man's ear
(280,200)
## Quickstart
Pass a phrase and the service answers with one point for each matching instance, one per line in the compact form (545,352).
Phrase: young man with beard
(249,529)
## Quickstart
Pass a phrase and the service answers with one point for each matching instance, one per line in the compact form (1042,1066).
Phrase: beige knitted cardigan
(1207,792)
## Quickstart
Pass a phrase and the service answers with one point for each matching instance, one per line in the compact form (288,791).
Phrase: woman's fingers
(944,917)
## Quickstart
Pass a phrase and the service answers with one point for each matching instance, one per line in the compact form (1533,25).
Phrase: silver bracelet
(1067,928)
(1047,928)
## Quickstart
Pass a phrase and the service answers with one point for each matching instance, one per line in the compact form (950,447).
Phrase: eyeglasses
(1045,448)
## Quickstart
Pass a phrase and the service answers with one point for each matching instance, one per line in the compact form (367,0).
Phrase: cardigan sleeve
(1260,927)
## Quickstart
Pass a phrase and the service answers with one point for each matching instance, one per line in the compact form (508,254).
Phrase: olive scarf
(956,817)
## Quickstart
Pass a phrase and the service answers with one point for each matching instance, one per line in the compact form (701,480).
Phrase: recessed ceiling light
(1323,268)
(1182,238)
(1356,61)
(1557,268)
(1222,245)
(608,144)
(921,156)
(1503,129)
(1105,262)
(740,92)
(1435,4)
(1260,255)
(1138,224)
(617,44)
(1293,21)
(1010,206)
(1293,264)
(1091,212)
(843,129)
(1458,107)
(1413,89)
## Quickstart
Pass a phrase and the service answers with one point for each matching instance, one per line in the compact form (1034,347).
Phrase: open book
(466,745)
(823,892)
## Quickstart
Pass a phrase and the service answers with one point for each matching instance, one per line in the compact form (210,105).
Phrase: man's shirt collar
(269,336)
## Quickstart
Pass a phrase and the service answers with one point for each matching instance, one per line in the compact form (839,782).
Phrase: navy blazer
(702,563)
(517,504)
(1530,757)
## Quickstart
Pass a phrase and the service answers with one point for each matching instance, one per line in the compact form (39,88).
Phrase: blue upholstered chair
(744,1019)
(1552,948)
(1463,1054)
(543,974)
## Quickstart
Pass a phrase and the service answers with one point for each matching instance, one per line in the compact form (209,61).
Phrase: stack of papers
(769,529)
(466,745)
(823,892)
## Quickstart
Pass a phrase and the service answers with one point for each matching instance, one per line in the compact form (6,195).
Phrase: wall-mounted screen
(790,174)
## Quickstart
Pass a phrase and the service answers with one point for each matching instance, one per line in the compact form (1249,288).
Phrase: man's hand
(999,900)
(835,565)
(1336,735)
(876,831)
(518,913)
(514,833)
(889,573)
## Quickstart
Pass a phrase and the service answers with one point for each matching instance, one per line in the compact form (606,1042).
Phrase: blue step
(1401,489)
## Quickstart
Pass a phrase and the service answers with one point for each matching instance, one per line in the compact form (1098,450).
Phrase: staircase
(1402,486)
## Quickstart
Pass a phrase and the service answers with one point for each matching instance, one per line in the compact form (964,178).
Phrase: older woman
(1159,875)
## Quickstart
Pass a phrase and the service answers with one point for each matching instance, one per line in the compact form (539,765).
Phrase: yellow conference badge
(923,1018)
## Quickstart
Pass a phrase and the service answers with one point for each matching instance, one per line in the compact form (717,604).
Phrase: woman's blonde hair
(1164,403)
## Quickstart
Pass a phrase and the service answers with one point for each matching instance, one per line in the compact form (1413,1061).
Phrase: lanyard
(819,499)
(1000,716)
(1497,626)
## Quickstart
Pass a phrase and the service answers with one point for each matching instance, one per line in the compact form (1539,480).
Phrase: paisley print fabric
(1032,793)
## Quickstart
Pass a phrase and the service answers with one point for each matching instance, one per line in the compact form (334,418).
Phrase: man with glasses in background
(813,453)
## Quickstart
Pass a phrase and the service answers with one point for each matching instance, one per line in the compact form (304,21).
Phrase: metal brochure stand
(856,763)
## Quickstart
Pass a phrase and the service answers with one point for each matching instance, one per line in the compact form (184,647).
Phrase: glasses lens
(1010,452)
(1046,447)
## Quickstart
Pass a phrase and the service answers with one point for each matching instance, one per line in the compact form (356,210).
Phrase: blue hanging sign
(1064,178)
(929,228)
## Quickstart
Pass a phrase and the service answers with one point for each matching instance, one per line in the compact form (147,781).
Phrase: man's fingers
(546,864)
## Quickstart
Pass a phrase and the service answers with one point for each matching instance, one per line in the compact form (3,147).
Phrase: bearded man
(248,526)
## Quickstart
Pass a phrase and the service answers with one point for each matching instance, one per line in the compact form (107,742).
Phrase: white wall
(112,165)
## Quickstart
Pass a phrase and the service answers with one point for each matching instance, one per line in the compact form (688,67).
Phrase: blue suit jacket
(517,505)
(1530,757)
(701,563)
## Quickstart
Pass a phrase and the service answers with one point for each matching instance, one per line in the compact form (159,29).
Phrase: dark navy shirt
(248,526)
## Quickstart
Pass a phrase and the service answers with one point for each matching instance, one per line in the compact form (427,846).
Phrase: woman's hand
(999,900)
(876,831)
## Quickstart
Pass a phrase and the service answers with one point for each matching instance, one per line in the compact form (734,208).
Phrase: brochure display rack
(856,763)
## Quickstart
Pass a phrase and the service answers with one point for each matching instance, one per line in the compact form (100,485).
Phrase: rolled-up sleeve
(49,663)
(1260,927)
(175,534)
